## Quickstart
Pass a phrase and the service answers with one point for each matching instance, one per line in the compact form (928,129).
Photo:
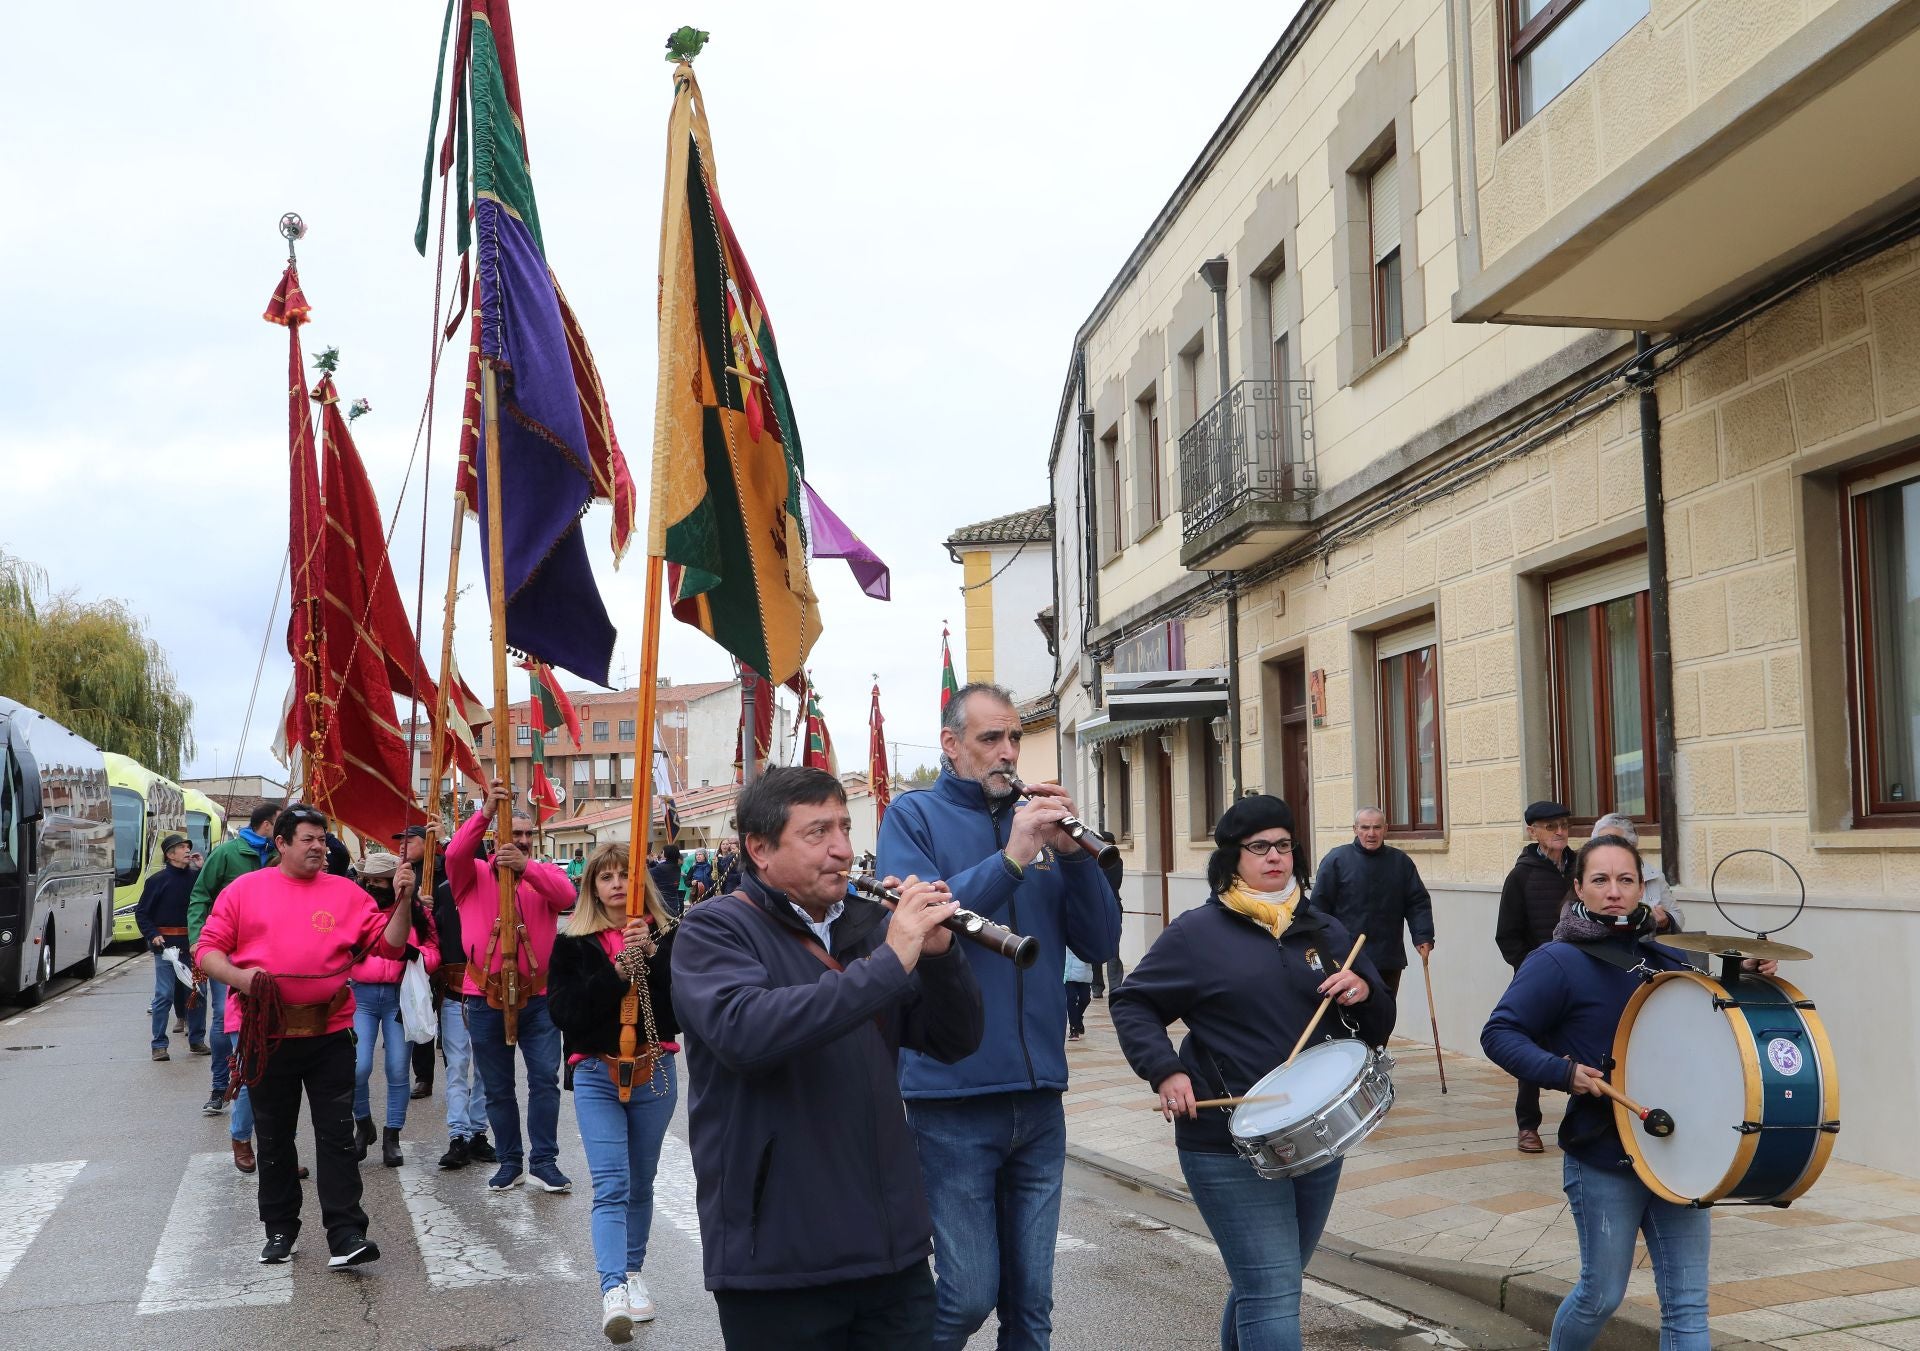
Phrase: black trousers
(323,1068)
(1391,979)
(1107,973)
(1526,1107)
(877,1313)
(423,1057)
(1079,995)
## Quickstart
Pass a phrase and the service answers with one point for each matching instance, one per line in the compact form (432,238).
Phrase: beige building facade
(1351,476)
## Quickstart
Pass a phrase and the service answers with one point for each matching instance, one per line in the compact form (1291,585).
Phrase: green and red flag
(727,508)
(879,776)
(541,793)
(819,753)
(947,686)
(549,708)
(557,447)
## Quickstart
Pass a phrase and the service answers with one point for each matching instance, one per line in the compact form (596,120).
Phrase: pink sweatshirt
(296,930)
(374,969)
(544,892)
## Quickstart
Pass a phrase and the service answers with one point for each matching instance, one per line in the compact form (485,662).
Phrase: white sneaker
(616,1320)
(639,1300)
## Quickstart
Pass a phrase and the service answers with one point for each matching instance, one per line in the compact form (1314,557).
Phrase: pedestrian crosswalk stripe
(28,1194)
(209,1253)
(456,1252)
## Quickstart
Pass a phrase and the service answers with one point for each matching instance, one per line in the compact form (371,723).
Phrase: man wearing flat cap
(1530,902)
(161,917)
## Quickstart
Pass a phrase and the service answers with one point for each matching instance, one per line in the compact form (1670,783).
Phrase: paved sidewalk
(1442,1180)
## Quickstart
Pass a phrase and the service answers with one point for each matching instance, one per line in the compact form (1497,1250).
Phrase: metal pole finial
(292,229)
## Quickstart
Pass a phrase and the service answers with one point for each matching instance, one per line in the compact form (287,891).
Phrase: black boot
(480,1149)
(390,1154)
(457,1155)
(363,1136)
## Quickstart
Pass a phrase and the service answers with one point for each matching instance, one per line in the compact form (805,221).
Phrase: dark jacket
(1565,1005)
(1245,1000)
(726,872)
(1061,900)
(163,904)
(446,917)
(584,993)
(805,1170)
(1377,893)
(1530,902)
(666,881)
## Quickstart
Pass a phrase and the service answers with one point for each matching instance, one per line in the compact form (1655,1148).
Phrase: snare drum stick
(1434,1019)
(1232,1102)
(1326,1003)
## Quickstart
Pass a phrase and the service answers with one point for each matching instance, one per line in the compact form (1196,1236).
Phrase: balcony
(1247,475)
(1695,200)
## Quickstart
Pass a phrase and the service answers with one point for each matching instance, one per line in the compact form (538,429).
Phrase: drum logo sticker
(1784,1055)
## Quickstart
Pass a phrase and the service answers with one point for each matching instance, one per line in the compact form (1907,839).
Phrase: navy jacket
(1245,1000)
(947,832)
(1565,1005)
(804,1168)
(163,903)
(1378,893)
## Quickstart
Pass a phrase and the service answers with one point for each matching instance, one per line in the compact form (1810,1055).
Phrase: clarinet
(1103,853)
(1022,950)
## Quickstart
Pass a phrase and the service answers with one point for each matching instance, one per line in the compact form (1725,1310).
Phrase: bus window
(9,818)
(129,834)
(200,831)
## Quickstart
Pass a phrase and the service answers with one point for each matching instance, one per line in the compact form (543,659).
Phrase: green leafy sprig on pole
(683,44)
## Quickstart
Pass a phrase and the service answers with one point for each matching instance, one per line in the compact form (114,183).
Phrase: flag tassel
(506,994)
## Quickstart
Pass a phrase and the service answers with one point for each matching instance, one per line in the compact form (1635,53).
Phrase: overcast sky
(932,201)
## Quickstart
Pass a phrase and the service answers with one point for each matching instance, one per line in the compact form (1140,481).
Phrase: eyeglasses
(1261,848)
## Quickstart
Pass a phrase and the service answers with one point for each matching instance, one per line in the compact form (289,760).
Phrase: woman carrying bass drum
(1553,1026)
(1246,972)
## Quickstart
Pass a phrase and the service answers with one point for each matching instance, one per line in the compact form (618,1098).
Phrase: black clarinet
(1021,949)
(1103,852)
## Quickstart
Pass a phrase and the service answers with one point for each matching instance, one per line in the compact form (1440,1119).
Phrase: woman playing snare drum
(1245,972)
(1554,1024)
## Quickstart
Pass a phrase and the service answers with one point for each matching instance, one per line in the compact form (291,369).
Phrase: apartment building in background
(1007,587)
(1521,401)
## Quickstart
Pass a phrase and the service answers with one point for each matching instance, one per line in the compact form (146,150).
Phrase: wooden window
(1111,526)
(1551,42)
(1190,385)
(1123,774)
(1881,543)
(1408,678)
(1156,492)
(1383,224)
(1602,668)
(1280,292)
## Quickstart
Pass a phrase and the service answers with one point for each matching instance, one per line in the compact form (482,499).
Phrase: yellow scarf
(1259,907)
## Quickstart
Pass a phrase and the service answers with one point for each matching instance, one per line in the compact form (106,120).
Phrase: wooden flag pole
(505,993)
(640,830)
(443,696)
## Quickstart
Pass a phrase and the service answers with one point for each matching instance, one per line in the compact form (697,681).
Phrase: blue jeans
(992,1166)
(169,995)
(376,1013)
(622,1140)
(539,1042)
(240,1124)
(466,1097)
(1266,1229)
(1610,1206)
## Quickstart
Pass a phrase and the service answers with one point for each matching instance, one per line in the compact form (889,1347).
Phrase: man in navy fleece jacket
(991,1132)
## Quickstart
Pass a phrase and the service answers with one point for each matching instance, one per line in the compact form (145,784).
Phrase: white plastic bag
(181,970)
(416,1004)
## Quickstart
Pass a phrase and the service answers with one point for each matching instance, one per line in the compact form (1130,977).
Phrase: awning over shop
(1167,695)
(1102,728)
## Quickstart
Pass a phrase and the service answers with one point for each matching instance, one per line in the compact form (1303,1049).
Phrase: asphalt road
(123,1223)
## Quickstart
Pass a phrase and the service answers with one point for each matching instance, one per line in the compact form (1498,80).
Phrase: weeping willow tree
(92,667)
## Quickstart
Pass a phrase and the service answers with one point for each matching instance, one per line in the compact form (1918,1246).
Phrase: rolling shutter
(1609,581)
(1410,638)
(1383,204)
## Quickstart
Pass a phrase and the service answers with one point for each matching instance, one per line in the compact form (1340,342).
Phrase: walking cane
(1426,969)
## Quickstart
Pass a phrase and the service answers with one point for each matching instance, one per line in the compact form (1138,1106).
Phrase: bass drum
(1747,1074)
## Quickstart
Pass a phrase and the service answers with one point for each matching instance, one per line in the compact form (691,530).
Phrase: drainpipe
(1090,564)
(1214,273)
(1659,618)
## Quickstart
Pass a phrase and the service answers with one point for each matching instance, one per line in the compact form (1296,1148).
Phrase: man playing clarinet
(283,940)
(991,1131)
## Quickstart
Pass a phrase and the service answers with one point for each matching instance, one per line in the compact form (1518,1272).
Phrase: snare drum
(1337,1092)
(1748,1075)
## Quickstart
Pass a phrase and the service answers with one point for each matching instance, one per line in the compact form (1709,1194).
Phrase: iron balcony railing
(1254,446)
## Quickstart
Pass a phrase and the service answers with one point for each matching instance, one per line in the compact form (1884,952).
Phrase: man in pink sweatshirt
(306,929)
(543,892)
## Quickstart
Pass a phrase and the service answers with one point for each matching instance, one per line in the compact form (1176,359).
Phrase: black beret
(1251,815)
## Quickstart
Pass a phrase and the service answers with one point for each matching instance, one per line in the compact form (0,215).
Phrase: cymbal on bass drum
(1730,945)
